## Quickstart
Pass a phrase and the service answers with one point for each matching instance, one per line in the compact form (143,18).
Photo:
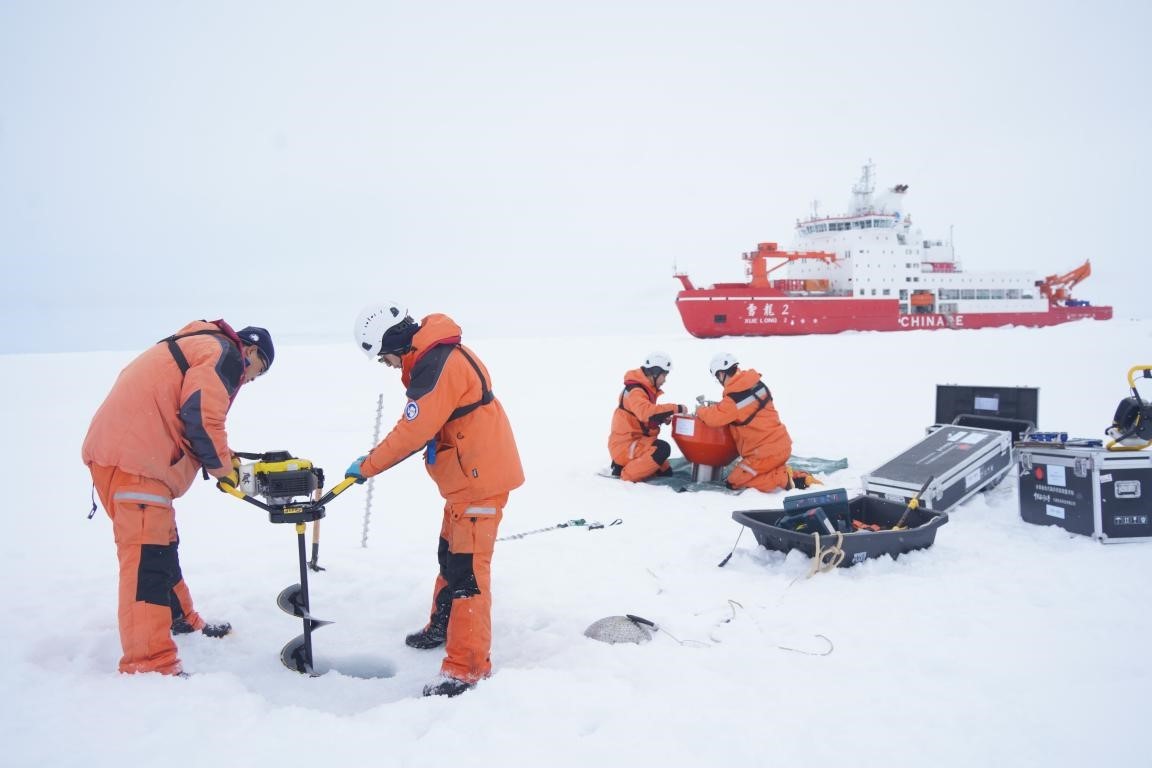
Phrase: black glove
(232,478)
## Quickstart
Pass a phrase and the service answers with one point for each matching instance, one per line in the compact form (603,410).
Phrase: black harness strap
(486,396)
(644,425)
(177,353)
(182,364)
(762,396)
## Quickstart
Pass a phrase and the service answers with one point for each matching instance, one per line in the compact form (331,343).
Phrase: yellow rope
(824,560)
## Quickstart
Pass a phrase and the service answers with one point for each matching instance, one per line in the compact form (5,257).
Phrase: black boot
(181,627)
(432,636)
(447,686)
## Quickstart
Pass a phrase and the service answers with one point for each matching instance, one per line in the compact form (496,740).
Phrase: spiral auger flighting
(297,653)
(282,479)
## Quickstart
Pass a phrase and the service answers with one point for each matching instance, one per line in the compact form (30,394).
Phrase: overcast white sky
(536,166)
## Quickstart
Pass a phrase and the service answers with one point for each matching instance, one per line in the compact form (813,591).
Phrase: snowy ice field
(1005,644)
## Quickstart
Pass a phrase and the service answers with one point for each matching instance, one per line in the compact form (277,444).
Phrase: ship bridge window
(968,294)
(1013,293)
(982,293)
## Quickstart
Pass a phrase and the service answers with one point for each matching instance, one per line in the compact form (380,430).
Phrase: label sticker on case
(972,478)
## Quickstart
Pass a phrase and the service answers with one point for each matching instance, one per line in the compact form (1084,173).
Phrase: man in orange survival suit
(762,440)
(636,452)
(470,453)
(162,422)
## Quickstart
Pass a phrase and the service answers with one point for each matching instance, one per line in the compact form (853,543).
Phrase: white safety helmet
(376,321)
(722,362)
(657,362)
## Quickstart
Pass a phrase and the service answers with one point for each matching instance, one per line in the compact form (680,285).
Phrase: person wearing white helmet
(634,446)
(384,331)
(470,453)
(748,411)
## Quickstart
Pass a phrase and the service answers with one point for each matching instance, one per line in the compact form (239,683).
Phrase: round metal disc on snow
(618,629)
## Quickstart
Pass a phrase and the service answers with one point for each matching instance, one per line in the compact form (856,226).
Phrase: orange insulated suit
(162,421)
(762,440)
(636,452)
(471,454)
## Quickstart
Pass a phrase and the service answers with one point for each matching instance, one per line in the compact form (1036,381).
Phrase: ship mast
(862,191)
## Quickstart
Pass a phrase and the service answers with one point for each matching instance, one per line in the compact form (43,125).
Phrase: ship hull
(708,313)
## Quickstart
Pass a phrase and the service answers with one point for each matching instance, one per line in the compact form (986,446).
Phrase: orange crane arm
(1058,287)
(758,261)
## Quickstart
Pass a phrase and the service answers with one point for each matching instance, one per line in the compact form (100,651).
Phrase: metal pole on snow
(372,480)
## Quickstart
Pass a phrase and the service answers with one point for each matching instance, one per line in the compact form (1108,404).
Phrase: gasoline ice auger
(292,489)
(1131,428)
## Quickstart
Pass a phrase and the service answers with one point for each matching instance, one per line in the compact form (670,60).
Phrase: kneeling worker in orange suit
(470,453)
(761,438)
(637,453)
(162,422)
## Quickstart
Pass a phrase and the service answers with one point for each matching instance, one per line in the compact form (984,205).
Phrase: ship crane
(1058,287)
(758,261)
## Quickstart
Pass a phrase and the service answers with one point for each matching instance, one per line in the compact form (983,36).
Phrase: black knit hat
(398,339)
(262,340)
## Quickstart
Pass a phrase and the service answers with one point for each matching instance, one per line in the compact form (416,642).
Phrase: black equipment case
(1087,490)
(1014,409)
(967,450)
(959,461)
